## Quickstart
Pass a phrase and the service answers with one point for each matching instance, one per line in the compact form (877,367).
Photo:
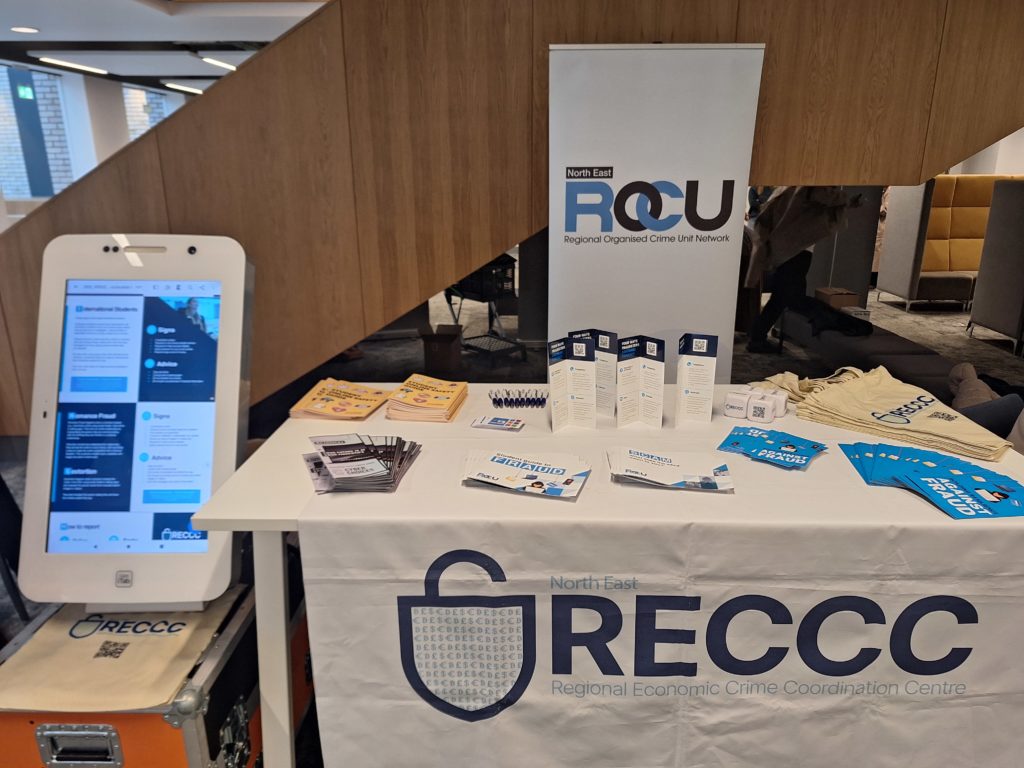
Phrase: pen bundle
(960,489)
(518,398)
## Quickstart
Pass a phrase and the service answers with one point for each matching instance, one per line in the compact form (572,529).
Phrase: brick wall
(13,179)
(144,110)
(51,115)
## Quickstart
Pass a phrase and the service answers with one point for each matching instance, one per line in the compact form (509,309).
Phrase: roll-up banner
(649,159)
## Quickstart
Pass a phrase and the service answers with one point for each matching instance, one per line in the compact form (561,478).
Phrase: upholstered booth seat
(945,286)
(934,238)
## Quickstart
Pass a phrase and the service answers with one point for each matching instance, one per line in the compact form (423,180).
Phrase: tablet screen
(134,427)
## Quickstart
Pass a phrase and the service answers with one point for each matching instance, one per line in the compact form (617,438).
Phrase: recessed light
(72,65)
(219,63)
(25,30)
(185,88)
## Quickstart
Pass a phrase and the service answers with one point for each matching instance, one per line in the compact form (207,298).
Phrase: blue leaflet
(960,489)
(779,449)
(852,453)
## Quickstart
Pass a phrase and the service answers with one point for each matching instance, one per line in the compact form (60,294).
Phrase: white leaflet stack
(561,475)
(679,471)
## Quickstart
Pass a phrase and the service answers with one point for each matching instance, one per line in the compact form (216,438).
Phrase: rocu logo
(598,199)
(470,657)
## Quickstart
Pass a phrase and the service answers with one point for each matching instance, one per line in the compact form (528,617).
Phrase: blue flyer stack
(960,489)
(780,449)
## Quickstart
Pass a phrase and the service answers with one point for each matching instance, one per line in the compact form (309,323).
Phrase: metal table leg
(271,571)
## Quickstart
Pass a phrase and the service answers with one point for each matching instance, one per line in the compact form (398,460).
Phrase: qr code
(603,341)
(700,345)
(652,348)
(111,650)
(579,350)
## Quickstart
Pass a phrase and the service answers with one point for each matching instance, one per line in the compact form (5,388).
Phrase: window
(34,156)
(144,109)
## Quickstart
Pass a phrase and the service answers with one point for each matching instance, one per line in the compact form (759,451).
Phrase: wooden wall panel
(264,157)
(979,90)
(125,194)
(13,414)
(439,99)
(560,22)
(846,89)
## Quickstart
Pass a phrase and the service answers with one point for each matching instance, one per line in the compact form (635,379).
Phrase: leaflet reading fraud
(133,441)
(572,383)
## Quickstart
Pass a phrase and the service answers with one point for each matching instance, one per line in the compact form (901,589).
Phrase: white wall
(1011,154)
(1003,157)
(107,116)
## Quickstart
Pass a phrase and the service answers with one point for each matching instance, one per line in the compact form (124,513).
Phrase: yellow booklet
(422,398)
(297,411)
(339,399)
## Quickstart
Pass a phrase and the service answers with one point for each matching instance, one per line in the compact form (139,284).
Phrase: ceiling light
(72,65)
(219,63)
(185,88)
(25,30)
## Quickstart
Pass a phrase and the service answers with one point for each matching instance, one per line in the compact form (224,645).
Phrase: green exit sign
(26,92)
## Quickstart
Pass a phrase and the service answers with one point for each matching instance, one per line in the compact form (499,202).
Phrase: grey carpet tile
(942,327)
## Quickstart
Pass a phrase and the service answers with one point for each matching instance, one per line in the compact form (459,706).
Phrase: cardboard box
(836,298)
(442,351)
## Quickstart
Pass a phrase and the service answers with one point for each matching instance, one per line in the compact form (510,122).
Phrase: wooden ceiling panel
(264,157)
(439,97)
(846,89)
(979,93)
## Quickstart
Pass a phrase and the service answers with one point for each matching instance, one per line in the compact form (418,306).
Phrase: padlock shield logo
(469,657)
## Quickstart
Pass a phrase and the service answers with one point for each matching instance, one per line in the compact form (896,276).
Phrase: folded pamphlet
(338,399)
(549,474)
(780,449)
(423,398)
(960,489)
(668,470)
(359,462)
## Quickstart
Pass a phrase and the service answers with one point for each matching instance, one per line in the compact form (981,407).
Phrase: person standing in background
(787,227)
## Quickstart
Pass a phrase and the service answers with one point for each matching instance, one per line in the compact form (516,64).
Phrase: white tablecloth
(806,620)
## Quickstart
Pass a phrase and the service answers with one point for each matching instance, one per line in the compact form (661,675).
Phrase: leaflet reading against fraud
(572,383)
(641,381)
(135,420)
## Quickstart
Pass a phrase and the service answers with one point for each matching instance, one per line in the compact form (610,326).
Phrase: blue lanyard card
(963,498)
(852,453)
(810,447)
(779,449)
(738,439)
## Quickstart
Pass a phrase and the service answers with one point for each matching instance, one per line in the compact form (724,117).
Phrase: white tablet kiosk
(138,409)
